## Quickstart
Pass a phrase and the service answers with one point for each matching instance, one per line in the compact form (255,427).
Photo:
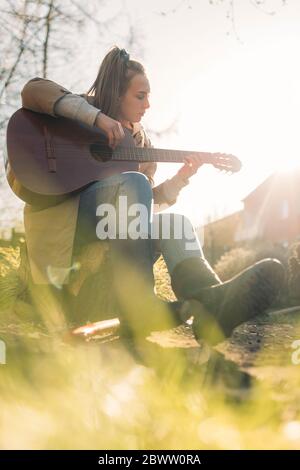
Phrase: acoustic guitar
(50,158)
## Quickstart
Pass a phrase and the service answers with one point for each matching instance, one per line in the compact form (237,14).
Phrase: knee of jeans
(137,184)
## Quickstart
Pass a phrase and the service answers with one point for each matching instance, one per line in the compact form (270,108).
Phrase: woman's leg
(131,250)
(246,295)
(176,239)
(132,260)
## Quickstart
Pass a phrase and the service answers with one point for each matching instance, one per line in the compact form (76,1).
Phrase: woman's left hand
(190,167)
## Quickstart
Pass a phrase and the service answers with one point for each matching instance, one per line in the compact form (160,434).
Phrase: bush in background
(294,274)
(237,259)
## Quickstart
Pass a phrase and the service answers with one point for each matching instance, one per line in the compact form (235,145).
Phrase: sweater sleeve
(41,95)
(76,107)
(166,193)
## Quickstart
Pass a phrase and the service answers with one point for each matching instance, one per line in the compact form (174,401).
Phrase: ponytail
(113,79)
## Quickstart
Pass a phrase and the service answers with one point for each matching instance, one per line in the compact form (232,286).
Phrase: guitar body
(52,158)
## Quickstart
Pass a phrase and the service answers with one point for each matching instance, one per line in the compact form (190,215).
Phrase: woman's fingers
(111,139)
(118,133)
(187,161)
(115,135)
(121,130)
(112,128)
(192,164)
(197,161)
(193,161)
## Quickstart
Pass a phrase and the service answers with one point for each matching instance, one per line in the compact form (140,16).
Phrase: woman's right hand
(112,129)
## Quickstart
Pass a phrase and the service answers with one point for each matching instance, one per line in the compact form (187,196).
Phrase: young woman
(118,99)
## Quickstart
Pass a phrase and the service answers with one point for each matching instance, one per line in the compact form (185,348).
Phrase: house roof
(276,179)
(226,218)
(262,187)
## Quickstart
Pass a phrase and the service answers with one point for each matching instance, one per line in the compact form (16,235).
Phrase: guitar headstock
(225,162)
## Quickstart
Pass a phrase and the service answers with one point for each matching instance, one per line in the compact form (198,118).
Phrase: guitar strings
(70,153)
(220,160)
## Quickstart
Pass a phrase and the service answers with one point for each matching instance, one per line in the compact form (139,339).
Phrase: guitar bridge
(51,159)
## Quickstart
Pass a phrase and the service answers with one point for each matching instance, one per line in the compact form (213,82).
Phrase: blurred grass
(166,392)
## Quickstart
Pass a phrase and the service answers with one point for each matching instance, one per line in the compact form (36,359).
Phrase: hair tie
(124,55)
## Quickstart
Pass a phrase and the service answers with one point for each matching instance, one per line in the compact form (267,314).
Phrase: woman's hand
(190,167)
(112,129)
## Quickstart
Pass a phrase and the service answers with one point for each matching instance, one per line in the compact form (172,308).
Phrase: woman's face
(135,101)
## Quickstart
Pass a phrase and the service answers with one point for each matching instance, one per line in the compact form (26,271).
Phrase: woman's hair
(115,73)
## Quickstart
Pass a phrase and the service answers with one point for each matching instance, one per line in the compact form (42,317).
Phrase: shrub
(294,274)
(234,261)
(237,259)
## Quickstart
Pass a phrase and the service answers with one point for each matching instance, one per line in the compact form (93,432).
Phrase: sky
(231,88)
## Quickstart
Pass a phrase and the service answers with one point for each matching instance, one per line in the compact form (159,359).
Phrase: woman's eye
(140,97)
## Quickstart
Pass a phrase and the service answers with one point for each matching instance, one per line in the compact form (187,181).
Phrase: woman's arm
(77,108)
(42,95)
(45,96)
(166,193)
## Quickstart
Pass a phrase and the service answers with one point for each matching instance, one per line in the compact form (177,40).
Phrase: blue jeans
(160,227)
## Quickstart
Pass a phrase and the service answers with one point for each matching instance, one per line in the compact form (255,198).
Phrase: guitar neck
(143,154)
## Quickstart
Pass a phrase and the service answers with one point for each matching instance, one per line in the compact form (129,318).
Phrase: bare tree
(38,37)
(230,5)
(27,27)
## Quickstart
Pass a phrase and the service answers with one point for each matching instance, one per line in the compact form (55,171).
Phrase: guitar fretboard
(156,155)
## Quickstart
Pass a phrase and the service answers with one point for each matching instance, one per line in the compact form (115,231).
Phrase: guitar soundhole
(101,151)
